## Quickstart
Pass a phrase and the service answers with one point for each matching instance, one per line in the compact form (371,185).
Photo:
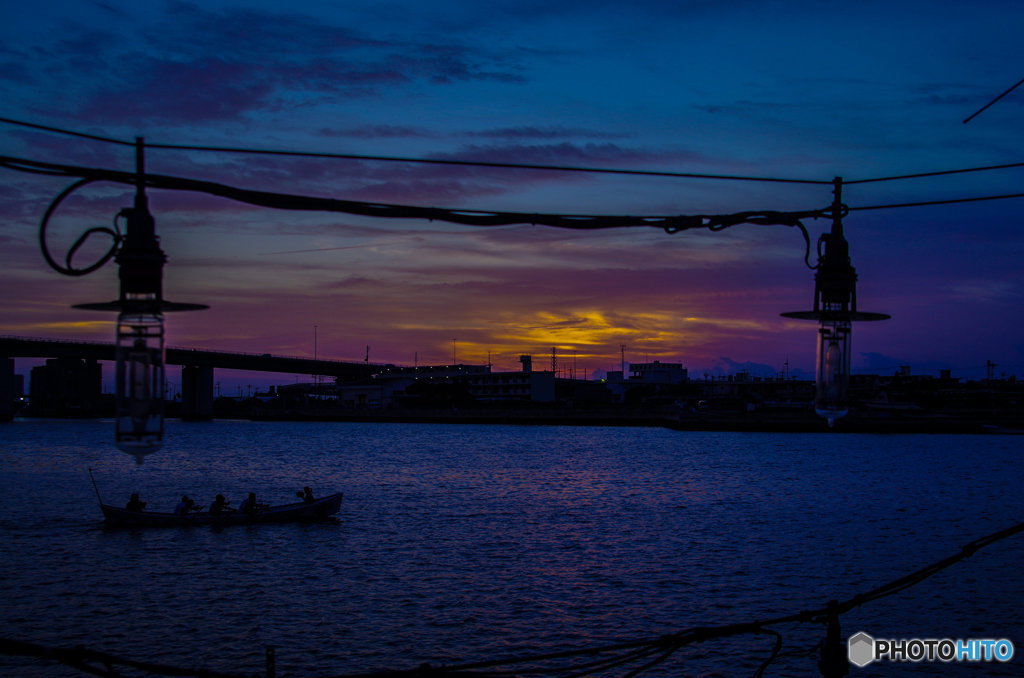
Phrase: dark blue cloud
(13,69)
(564,153)
(548,132)
(197,65)
(377,132)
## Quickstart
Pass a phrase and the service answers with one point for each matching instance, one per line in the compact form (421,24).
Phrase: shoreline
(737,422)
(725,422)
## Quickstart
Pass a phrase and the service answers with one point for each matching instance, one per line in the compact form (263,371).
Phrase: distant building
(66,387)
(653,377)
(12,388)
(526,386)
(376,392)
(444,385)
(658,373)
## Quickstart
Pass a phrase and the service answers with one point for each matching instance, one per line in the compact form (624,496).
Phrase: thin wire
(976,113)
(428,161)
(58,130)
(475,163)
(480,163)
(952,201)
(938,173)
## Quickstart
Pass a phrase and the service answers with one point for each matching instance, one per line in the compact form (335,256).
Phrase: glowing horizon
(537,85)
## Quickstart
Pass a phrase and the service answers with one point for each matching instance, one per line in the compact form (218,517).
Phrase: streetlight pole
(140,351)
(835,309)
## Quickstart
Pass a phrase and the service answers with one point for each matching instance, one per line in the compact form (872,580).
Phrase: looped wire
(68,268)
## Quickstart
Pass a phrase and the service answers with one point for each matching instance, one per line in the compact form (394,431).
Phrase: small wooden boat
(285,513)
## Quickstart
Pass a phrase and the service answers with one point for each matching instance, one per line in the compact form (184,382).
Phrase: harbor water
(465,543)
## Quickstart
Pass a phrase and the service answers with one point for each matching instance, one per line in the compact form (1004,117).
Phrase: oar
(95,487)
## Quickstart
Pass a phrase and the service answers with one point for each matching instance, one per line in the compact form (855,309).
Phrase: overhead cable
(978,112)
(58,130)
(427,161)
(508,165)
(928,203)
(939,173)
(482,163)
(288,201)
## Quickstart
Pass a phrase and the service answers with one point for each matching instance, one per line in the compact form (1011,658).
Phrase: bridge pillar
(196,393)
(7,389)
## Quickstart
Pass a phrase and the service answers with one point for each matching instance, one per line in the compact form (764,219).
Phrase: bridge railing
(186,349)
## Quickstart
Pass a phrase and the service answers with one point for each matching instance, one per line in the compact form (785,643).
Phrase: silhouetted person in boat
(307,495)
(134,503)
(184,506)
(219,506)
(248,506)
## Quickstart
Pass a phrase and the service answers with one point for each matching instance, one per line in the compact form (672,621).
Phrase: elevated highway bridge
(197,381)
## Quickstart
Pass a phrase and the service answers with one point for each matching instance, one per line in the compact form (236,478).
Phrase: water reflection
(461,543)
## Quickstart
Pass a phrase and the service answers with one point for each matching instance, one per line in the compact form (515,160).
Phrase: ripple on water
(461,543)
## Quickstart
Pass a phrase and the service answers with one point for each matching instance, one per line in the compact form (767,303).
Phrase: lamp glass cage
(140,382)
(833,369)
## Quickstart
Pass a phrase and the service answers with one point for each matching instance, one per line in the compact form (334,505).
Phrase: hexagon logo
(860,649)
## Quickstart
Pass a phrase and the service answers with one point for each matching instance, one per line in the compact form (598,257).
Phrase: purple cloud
(203,90)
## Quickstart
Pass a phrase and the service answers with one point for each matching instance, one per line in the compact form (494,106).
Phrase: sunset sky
(763,88)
